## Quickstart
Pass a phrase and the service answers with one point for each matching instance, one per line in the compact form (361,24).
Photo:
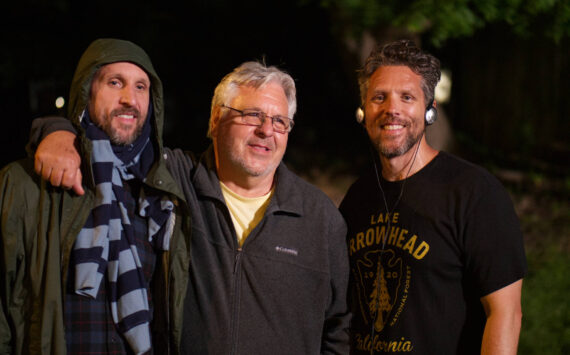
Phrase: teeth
(127,116)
(392,127)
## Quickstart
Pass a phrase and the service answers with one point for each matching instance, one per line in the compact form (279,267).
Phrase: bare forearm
(504,315)
(501,335)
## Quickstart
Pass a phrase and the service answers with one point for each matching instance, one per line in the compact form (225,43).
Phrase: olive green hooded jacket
(39,224)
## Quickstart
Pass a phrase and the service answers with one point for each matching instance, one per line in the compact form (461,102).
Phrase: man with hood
(77,269)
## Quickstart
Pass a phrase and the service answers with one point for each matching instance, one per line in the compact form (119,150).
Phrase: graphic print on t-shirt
(379,274)
(382,254)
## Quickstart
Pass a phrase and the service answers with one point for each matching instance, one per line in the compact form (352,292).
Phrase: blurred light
(59,102)
(443,88)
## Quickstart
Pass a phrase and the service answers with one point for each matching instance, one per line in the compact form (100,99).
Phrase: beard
(120,139)
(122,134)
(252,169)
(237,155)
(392,152)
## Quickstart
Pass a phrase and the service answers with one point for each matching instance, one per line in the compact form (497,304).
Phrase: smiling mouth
(260,147)
(125,116)
(392,127)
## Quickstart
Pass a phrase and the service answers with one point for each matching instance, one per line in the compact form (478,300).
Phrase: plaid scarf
(107,241)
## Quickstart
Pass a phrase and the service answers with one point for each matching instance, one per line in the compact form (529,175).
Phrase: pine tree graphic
(380,300)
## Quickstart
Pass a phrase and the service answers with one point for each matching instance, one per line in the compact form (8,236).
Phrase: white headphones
(430,115)
(360,115)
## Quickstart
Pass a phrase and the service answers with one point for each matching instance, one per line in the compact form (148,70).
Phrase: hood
(107,51)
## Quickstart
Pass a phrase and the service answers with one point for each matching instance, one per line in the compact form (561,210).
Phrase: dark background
(192,47)
(508,110)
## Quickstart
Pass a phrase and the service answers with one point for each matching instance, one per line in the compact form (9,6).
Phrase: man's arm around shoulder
(56,157)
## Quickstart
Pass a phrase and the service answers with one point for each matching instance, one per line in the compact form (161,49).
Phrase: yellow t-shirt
(246,212)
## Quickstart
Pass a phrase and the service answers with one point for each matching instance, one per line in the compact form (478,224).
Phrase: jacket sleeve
(43,126)
(335,333)
(11,257)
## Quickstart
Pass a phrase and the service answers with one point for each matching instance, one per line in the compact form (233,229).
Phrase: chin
(122,139)
(258,170)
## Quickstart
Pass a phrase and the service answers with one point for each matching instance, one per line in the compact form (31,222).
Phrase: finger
(45,172)
(68,178)
(77,186)
(42,169)
(56,177)
(38,165)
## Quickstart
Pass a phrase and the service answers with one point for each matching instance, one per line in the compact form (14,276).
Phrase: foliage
(546,319)
(441,20)
(545,222)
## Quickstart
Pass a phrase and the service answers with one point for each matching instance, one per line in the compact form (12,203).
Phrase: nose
(266,128)
(392,105)
(128,97)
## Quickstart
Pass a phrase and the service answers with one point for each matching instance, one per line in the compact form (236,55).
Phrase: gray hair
(402,52)
(257,75)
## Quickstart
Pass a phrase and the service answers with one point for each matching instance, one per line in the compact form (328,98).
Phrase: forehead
(270,94)
(122,69)
(395,76)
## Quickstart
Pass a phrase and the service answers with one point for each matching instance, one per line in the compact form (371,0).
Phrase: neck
(409,163)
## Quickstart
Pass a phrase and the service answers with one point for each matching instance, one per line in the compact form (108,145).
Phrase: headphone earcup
(360,115)
(431,116)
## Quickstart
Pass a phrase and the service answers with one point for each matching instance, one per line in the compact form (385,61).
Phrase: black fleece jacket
(284,290)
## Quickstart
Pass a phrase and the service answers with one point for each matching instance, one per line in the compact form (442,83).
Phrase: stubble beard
(116,134)
(247,168)
(120,139)
(391,152)
(241,161)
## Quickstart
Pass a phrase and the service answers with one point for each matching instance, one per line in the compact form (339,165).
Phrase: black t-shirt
(451,239)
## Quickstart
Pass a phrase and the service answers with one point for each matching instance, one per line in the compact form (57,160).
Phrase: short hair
(257,75)
(402,52)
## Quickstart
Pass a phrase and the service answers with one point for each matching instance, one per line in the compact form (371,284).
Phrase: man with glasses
(269,267)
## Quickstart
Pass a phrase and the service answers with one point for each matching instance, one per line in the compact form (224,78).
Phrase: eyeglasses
(280,124)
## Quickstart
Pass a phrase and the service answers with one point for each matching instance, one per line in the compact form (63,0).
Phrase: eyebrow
(406,90)
(120,76)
